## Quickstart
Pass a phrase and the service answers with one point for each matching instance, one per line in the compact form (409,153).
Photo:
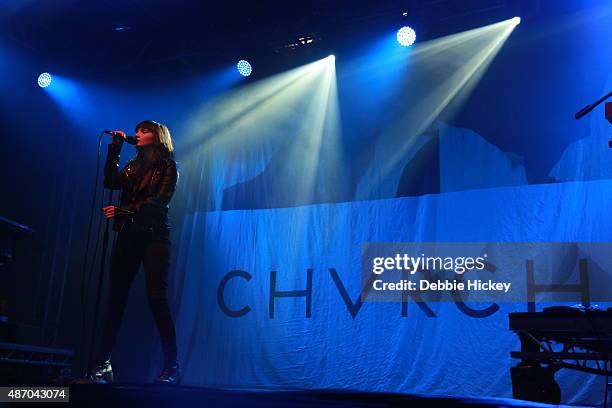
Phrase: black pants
(134,247)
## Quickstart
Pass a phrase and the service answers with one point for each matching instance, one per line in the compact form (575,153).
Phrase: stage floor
(135,395)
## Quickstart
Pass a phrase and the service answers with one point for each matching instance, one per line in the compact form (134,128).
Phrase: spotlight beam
(453,64)
(223,115)
(290,111)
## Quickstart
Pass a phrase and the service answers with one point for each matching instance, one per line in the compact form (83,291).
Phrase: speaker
(10,233)
(535,383)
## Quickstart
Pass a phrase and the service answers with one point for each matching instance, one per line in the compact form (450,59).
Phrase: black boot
(170,374)
(101,373)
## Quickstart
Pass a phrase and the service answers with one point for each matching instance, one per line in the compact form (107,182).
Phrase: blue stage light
(406,36)
(44,80)
(244,68)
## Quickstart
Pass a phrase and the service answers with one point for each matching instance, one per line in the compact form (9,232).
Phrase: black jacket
(146,190)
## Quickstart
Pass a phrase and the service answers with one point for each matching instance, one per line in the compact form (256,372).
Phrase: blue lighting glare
(244,68)
(406,36)
(44,80)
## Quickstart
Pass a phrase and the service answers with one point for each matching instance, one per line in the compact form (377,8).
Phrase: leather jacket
(146,190)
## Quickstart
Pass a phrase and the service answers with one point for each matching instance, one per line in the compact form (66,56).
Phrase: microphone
(582,112)
(129,139)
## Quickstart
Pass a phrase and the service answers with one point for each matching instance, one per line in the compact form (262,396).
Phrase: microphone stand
(582,112)
(100,284)
(131,140)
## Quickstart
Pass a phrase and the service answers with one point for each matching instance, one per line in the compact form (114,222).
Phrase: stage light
(44,80)
(244,67)
(406,36)
(121,27)
(516,20)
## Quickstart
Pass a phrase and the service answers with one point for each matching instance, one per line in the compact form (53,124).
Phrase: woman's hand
(109,211)
(120,138)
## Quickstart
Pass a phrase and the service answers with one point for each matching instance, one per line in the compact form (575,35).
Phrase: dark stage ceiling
(153,36)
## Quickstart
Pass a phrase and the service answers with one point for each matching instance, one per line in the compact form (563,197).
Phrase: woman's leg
(125,260)
(156,264)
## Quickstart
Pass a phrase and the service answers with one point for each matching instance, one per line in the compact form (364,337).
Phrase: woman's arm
(113,178)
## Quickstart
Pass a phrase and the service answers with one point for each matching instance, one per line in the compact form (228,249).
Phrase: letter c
(221,289)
